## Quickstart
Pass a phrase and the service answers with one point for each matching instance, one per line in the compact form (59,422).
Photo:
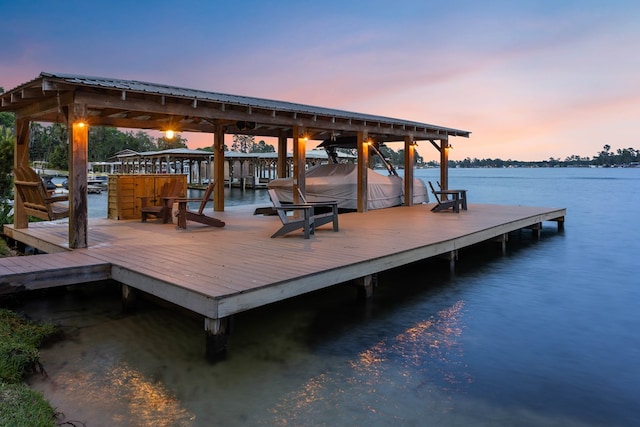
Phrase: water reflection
(423,360)
(120,395)
(149,402)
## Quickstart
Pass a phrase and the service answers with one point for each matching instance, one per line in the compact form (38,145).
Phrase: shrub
(19,341)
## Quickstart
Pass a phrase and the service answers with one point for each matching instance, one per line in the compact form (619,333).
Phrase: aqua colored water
(546,335)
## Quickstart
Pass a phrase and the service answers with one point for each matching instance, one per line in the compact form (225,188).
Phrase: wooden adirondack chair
(184,214)
(170,192)
(37,201)
(292,222)
(443,203)
(306,219)
(462,194)
(324,211)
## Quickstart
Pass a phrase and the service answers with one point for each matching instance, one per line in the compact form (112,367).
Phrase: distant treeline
(624,157)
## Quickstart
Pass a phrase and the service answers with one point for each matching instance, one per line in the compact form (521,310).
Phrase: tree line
(605,158)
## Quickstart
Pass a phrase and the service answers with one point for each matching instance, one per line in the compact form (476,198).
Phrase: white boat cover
(340,182)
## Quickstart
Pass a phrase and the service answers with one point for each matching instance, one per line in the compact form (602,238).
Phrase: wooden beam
(282,156)
(20,158)
(218,168)
(49,107)
(215,111)
(409,156)
(444,163)
(299,160)
(78,132)
(363,168)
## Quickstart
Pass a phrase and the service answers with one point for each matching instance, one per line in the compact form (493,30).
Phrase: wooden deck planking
(173,272)
(200,275)
(50,270)
(175,261)
(221,271)
(240,262)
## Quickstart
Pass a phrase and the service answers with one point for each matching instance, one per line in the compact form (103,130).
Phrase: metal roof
(164,102)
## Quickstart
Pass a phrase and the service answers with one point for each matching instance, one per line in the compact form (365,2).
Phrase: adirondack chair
(294,221)
(461,193)
(184,214)
(37,200)
(324,211)
(306,218)
(169,192)
(444,203)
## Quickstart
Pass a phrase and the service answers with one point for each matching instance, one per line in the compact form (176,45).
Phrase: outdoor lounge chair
(324,211)
(160,206)
(444,203)
(307,221)
(37,200)
(184,214)
(462,194)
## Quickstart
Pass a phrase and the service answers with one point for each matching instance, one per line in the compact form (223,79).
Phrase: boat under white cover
(339,181)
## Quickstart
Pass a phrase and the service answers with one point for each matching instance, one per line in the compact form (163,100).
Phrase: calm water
(546,335)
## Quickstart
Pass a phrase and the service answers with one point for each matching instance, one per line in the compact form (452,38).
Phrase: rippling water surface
(546,335)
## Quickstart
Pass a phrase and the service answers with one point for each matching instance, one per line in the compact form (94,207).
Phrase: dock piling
(216,334)
(128,298)
(365,286)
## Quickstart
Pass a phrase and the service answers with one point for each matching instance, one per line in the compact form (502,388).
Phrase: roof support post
(78,132)
(218,168)
(282,156)
(409,156)
(444,163)
(363,168)
(299,162)
(20,158)
(209,169)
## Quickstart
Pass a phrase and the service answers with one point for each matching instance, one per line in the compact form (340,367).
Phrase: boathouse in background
(81,101)
(251,170)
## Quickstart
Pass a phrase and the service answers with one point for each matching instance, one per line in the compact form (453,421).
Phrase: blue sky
(530,80)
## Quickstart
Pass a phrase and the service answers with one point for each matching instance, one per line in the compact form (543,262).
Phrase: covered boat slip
(218,272)
(84,101)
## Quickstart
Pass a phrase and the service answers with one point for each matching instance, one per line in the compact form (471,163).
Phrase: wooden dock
(218,272)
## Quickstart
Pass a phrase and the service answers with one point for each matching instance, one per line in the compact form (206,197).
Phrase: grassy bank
(20,406)
(4,249)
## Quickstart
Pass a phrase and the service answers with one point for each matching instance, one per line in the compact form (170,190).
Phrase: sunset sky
(530,79)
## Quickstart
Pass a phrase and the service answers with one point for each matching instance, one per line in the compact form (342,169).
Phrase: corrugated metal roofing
(194,94)
(273,118)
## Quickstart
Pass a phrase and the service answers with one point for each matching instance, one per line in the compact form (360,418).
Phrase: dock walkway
(219,272)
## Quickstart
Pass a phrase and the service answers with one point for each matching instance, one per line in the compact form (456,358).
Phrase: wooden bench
(37,201)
